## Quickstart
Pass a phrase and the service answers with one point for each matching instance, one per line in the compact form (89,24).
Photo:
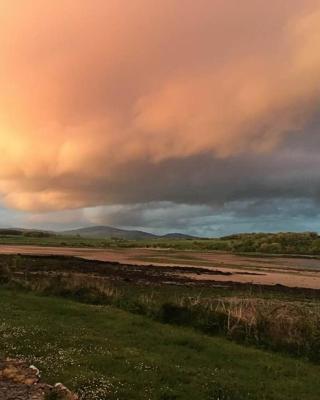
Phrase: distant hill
(177,236)
(105,232)
(109,231)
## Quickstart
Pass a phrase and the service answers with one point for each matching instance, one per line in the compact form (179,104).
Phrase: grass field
(107,353)
(57,240)
(111,331)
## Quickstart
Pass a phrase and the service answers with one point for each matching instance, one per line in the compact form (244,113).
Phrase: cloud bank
(128,102)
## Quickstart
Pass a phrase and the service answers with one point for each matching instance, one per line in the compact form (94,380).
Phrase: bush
(174,314)
(5,275)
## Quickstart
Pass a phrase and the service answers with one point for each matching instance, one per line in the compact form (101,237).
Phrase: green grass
(58,240)
(108,353)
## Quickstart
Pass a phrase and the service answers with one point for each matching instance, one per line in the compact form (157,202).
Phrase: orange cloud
(90,87)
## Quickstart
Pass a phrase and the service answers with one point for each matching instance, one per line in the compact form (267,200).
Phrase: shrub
(5,275)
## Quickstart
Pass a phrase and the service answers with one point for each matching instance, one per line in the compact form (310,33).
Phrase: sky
(165,115)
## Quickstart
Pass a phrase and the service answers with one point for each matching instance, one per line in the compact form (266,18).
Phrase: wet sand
(292,272)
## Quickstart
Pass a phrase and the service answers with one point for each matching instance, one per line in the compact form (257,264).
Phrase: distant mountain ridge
(111,232)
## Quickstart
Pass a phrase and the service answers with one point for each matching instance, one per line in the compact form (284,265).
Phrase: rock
(35,369)
(19,381)
(63,393)
(18,372)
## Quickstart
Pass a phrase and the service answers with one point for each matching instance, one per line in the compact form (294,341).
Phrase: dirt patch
(294,272)
(36,269)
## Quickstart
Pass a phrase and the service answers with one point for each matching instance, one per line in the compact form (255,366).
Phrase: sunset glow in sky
(198,116)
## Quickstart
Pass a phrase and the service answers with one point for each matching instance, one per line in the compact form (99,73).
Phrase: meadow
(127,332)
(103,352)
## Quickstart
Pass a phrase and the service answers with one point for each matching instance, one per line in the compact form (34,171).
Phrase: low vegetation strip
(307,243)
(106,353)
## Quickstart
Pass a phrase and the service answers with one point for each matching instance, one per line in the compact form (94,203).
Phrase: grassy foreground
(106,353)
